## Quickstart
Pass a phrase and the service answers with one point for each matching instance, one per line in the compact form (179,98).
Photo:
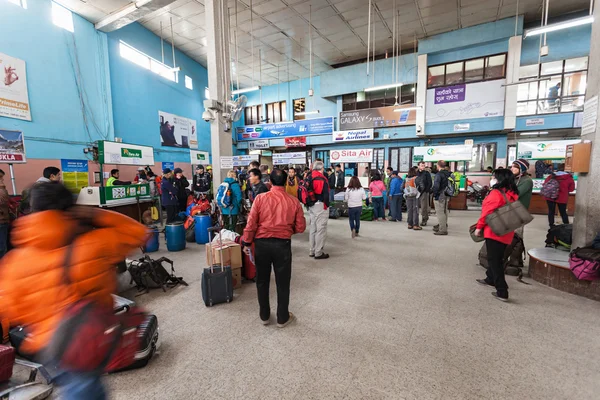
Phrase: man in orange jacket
(33,290)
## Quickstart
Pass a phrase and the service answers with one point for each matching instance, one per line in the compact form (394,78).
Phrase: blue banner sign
(170,165)
(315,126)
(74,165)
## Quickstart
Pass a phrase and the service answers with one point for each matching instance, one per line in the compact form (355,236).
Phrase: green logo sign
(131,153)
(200,156)
(258,129)
(541,147)
(431,151)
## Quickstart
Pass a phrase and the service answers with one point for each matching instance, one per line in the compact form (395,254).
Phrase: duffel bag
(584,262)
(367,214)
(334,213)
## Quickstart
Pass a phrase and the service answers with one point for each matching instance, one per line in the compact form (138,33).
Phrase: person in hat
(181,184)
(524,182)
(169,195)
(141,175)
(201,181)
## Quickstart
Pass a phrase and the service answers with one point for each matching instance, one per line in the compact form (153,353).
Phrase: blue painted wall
(565,44)
(138,94)
(57,129)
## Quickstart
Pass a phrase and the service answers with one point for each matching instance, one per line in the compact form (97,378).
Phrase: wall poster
(12,146)
(381,117)
(176,131)
(14,98)
(75,174)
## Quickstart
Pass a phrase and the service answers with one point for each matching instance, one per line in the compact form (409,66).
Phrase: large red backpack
(306,190)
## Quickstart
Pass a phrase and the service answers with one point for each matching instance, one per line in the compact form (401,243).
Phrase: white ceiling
(280,27)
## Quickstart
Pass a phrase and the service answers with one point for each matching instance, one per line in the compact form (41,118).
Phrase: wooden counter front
(539,206)
(458,202)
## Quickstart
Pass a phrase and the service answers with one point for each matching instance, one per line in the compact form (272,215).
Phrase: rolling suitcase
(148,344)
(7,360)
(217,280)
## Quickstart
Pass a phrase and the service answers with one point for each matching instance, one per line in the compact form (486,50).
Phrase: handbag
(508,218)
(475,238)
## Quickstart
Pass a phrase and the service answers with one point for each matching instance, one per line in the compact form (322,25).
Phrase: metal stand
(12,179)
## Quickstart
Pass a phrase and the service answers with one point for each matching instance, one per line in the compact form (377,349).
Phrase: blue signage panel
(74,165)
(170,165)
(305,127)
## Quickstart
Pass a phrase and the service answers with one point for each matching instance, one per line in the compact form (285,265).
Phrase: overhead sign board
(381,117)
(237,161)
(546,150)
(351,156)
(353,135)
(199,157)
(462,127)
(124,153)
(315,126)
(258,144)
(297,141)
(289,158)
(534,122)
(12,147)
(461,152)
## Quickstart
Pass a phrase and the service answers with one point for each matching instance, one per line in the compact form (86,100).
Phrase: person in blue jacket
(169,196)
(230,214)
(395,197)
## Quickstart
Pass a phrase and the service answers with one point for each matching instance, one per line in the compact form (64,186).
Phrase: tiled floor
(395,314)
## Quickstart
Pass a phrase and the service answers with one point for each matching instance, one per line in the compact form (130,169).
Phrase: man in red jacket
(274,218)
(566,186)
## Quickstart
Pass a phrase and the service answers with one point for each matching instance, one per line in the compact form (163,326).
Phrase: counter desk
(130,200)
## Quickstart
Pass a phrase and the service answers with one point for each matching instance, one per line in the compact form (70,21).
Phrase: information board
(124,153)
(75,174)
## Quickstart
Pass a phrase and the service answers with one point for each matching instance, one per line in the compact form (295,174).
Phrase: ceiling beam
(420,17)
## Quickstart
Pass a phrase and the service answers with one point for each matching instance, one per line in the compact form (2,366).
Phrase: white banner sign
(465,101)
(176,131)
(14,99)
(534,122)
(350,136)
(199,157)
(289,158)
(590,116)
(544,150)
(461,152)
(226,162)
(125,153)
(351,156)
(462,127)
(258,144)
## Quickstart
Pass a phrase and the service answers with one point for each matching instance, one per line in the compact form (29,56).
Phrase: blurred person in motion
(503,191)
(168,197)
(354,196)
(264,173)
(4,215)
(38,296)
(377,189)
(319,214)
(274,218)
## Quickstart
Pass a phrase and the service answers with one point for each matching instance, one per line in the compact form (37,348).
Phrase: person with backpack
(354,196)
(377,190)
(411,193)
(502,192)
(229,200)
(395,192)
(556,189)
(317,201)
(443,190)
(201,181)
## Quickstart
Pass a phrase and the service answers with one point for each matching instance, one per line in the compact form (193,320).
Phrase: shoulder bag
(509,217)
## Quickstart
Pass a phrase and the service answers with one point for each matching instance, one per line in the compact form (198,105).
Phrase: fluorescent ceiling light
(246,90)
(533,133)
(407,109)
(527,81)
(306,113)
(383,87)
(560,25)
(117,15)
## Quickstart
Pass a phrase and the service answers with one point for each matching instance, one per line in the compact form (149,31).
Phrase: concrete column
(587,206)
(512,75)
(218,60)
(421,93)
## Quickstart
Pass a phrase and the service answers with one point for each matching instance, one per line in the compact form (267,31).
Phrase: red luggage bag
(249,267)
(7,360)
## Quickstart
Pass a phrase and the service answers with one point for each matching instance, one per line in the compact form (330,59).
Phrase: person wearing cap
(181,184)
(519,169)
(140,176)
(169,196)
(201,181)
(395,194)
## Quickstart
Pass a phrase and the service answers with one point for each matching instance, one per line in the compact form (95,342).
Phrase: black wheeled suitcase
(217,280)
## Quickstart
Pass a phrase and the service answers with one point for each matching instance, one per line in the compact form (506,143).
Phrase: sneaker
(265,322)
(323,256)
(504,299)
(356,234)
(436,228)
(417,228)
(353,234)
(410,227)
(483,282)
(291,319)
(311,255)
(438,233)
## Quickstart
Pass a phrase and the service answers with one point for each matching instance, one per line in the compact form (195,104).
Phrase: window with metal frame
(484,155)
(378,159)
(323,155)
(252,115)
(561,87)
(381,98)
(400,158)
(276,112)
(467,71)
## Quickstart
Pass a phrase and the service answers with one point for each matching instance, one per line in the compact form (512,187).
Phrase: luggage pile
(514,257)
(584,262)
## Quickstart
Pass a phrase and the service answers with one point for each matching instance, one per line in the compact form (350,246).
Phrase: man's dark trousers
(278,253)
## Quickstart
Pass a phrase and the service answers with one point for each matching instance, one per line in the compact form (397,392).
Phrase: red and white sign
(352,156)
(295,141)
(12,146)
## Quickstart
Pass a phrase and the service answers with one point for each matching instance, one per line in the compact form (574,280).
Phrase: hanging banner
(289,158)
(351,156)
(447,153)
(170,165)
(546,150)
(466,101)
(14,98)
(381,117)
(237,161)
(124,153)
(298,141)
(12,147)
(75,174)
(316,126)
(258,144)
(354,135)
(176,131)
(199,157)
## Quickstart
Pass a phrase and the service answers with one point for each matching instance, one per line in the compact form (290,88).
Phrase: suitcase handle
(212,262)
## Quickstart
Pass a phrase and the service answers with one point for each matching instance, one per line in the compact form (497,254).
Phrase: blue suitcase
(217,281)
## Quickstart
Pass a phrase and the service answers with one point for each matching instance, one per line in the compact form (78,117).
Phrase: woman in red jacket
(566,185)
(505,189)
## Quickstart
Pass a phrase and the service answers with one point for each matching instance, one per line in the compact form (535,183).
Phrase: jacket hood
(562,175)
(46,230)
(230,180)
(445,172)
(43,180)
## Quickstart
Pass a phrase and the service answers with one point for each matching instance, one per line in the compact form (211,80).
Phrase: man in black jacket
(441,200)
(181,184)
(258,186)
(201,181)
(331,179)
(339,179)
(424,186)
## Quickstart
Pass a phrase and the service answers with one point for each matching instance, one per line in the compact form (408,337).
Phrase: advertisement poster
(199,157)
(14,99)
(168,164)
(176,131)
(447,153)
(75,174)
(298,141)
(124,154)
(354,135)
(289,158)
(381,117)
(351,156)
(258,144)
(12,147)
(546,150)
(474,100)
(315,126)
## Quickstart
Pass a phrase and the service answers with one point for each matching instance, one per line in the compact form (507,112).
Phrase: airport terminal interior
(390,168)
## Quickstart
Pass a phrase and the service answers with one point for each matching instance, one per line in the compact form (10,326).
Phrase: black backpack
(147,274)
